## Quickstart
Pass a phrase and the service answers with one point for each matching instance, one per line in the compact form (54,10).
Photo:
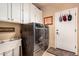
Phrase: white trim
(76,29)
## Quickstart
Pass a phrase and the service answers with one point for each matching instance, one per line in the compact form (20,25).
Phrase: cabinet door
(8,53)
(26,13)
(40,17)
(16,51)
(37,15)
(9,12)
(3,11)
(21,14)
(16,12)
(33,14)
(1,54)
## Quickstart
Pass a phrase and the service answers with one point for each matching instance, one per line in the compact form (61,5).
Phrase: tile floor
(60,52)
(47,54)
(55,52)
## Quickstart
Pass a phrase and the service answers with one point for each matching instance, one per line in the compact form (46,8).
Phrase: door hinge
(75,46)
(75,13)
(75,30)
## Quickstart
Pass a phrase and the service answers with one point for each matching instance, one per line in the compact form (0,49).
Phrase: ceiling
(44,5)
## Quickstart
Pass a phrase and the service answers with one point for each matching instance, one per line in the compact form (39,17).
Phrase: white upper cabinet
(26,13)
(36,14)
(40,17)
(32,13)
(9,11)
(3,12)
(16,12)
(20,13)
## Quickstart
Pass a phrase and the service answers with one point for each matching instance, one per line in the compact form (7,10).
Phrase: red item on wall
(64,18)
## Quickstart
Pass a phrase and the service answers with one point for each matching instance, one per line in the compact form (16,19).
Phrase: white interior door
(66,34)
(58,26)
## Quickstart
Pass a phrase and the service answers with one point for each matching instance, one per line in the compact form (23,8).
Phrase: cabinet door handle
(8,18)
(22,20)
(57,33)
(12,19)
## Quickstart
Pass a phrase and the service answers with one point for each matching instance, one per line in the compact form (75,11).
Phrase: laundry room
(39,29)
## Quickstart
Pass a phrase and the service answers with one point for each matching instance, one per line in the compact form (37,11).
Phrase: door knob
(57,33)
(8,18)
